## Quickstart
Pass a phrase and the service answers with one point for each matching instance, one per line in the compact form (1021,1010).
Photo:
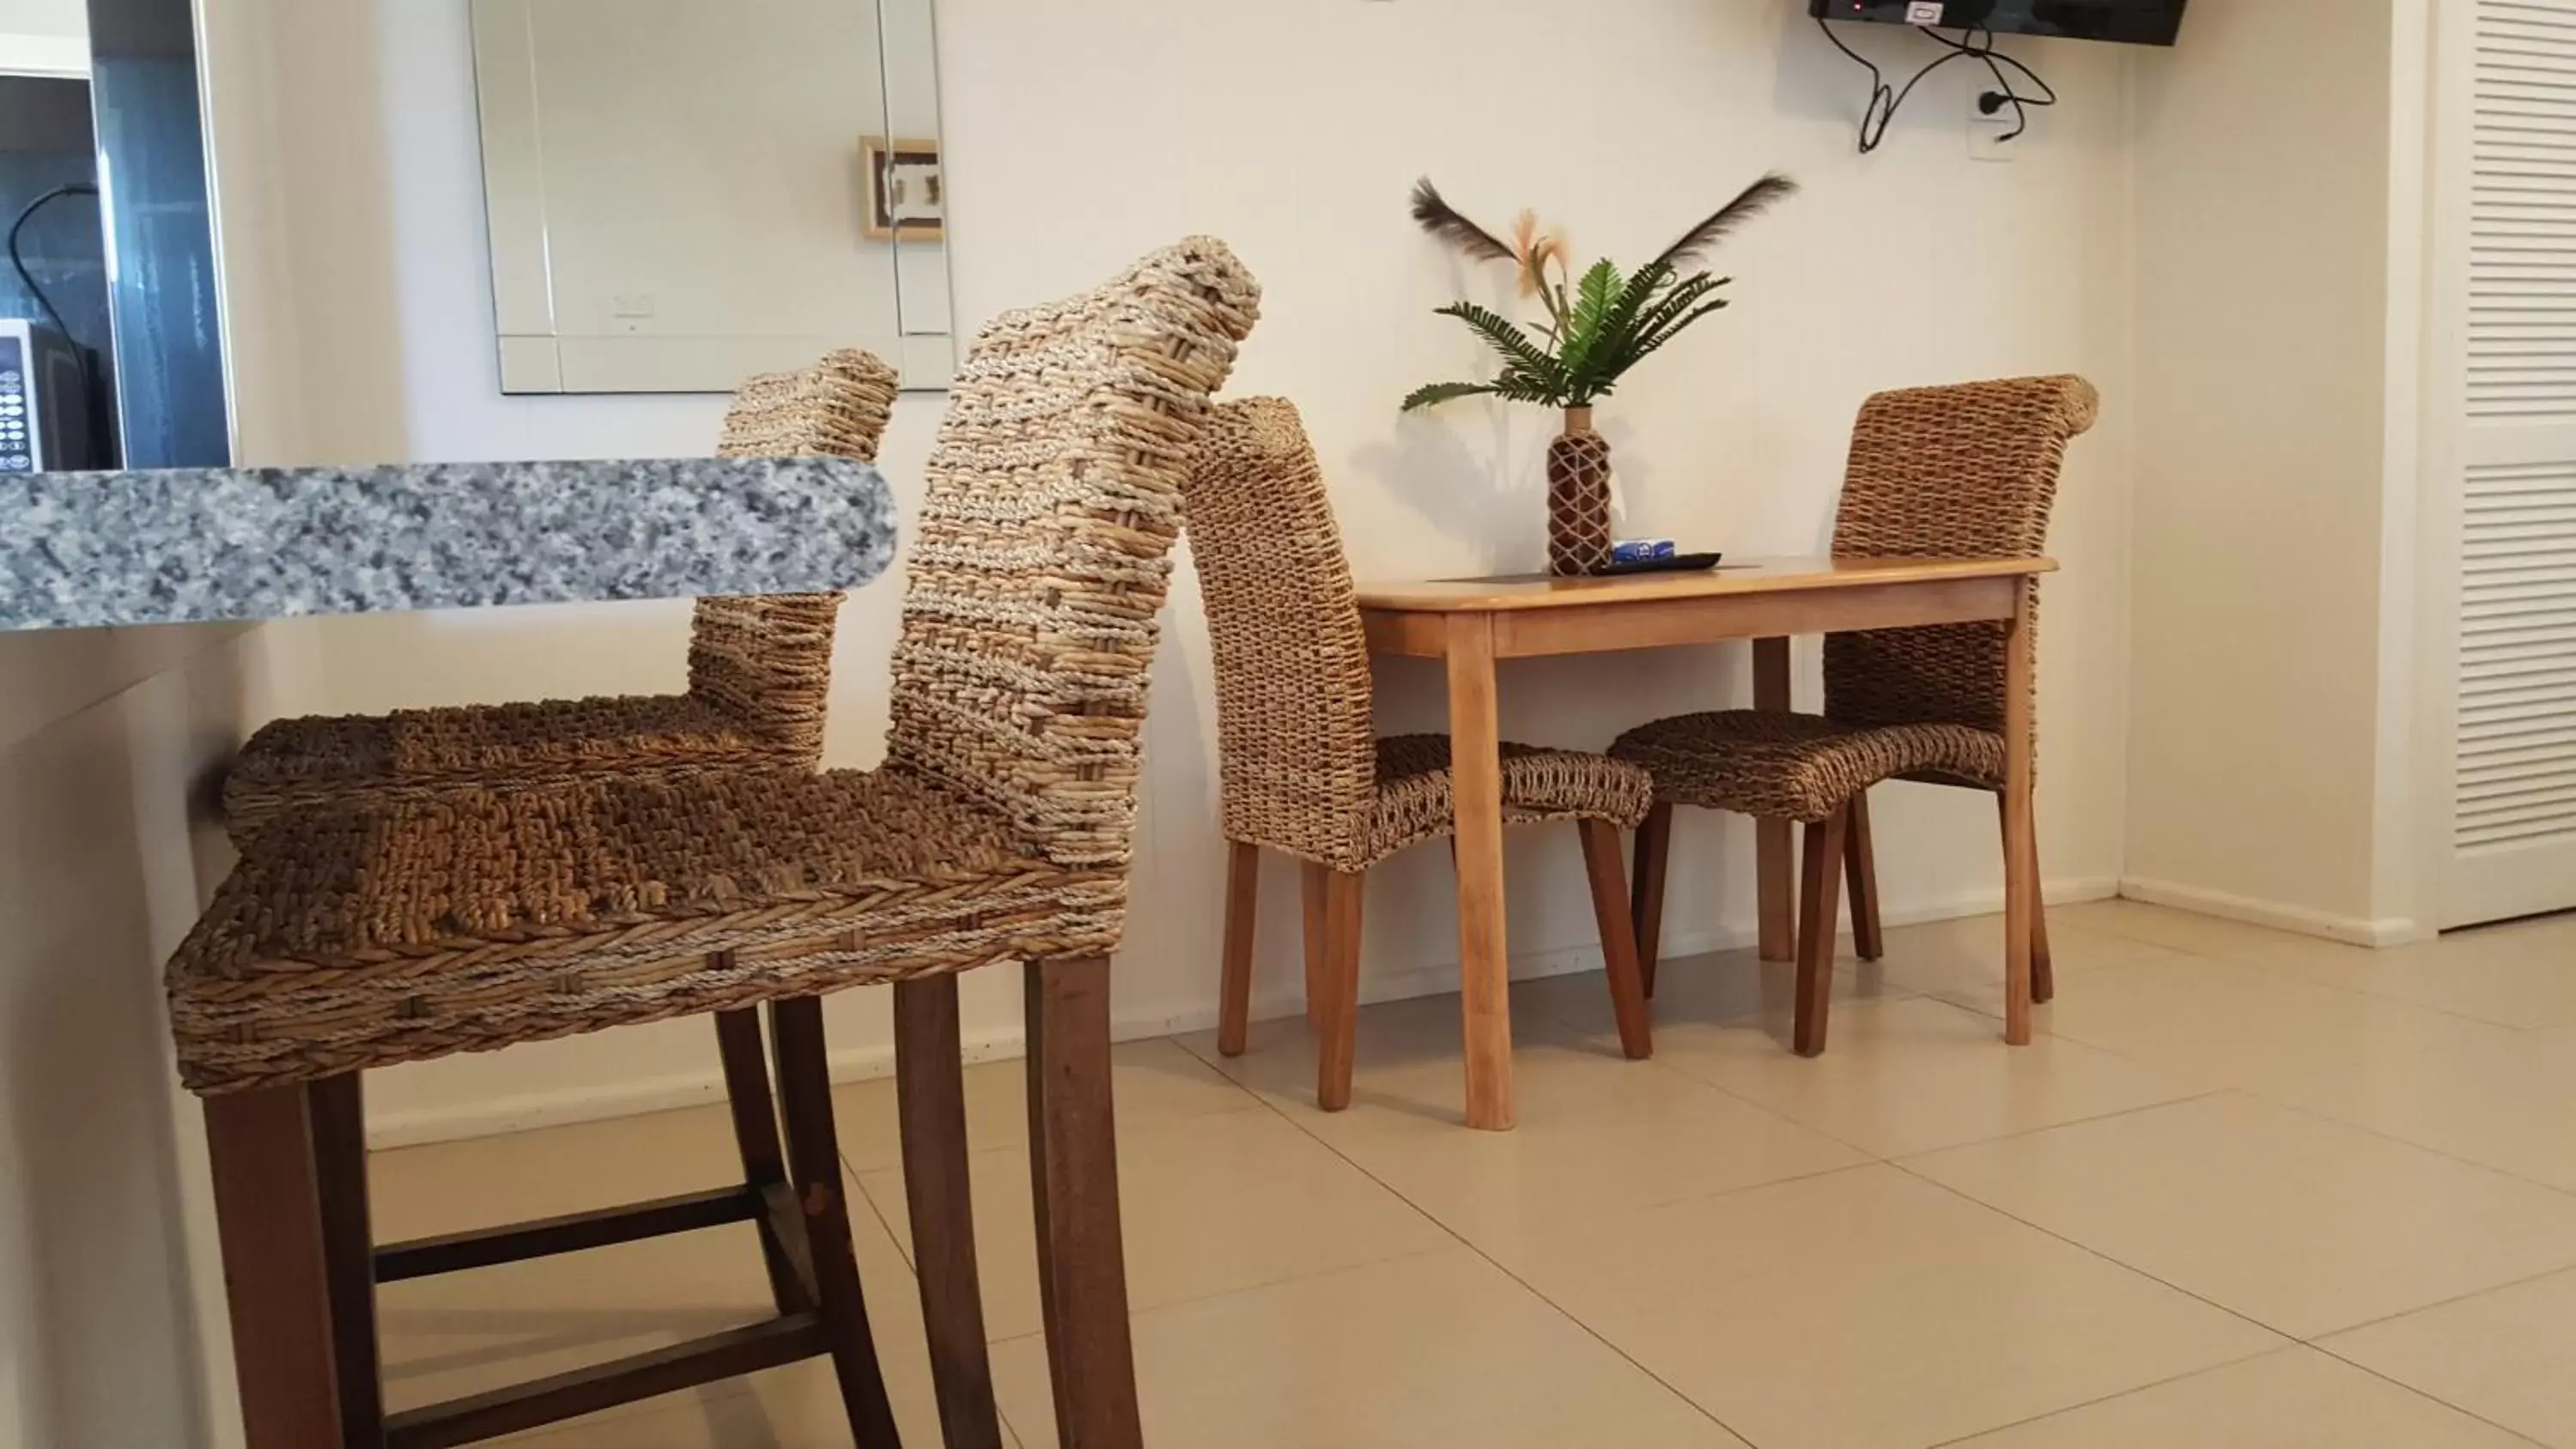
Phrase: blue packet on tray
(1640,550)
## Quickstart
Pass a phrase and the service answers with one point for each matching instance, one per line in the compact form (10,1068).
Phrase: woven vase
(1578,498)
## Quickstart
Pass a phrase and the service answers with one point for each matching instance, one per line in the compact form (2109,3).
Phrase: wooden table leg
(1476,774)
(1774,870)
(268,1216)
(2021,873)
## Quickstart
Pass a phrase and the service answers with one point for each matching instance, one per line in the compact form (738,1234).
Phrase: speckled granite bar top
(82,550)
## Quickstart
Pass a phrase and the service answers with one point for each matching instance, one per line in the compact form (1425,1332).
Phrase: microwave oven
(44,400)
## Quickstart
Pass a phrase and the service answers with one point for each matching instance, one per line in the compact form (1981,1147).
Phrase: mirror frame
(536,358)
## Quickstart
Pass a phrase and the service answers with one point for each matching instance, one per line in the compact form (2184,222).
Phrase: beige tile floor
(2245,1190)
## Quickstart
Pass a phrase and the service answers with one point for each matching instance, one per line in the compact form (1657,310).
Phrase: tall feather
(1749,203)
(1442,220)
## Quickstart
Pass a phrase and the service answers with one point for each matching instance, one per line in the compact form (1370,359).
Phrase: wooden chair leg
(2043,980)
(268,1214)
(1610,910)
(1820,907)
(1073,1173)
(1234,990)
(348,1254)
(1646,909)
(1311,880)
(1337,1026)
(930,1089)
(814,1162)
(1860,871)
(755,1135)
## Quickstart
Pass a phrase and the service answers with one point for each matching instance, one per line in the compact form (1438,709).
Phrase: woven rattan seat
(1413,803)
(1799,766)
(1968,470)
(759,668)
(395,930)
(377,931)
(1304,772)
(383,927)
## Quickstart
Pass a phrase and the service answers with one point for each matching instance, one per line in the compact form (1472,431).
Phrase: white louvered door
(2512,469)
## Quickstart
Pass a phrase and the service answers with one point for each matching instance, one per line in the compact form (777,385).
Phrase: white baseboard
(2352,930)
(595,1101)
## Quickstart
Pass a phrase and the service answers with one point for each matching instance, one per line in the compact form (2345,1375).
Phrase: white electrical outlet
(1986,133)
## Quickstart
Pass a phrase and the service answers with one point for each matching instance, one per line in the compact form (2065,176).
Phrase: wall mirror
(685,192)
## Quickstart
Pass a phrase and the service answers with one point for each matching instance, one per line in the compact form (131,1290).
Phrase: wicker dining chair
(367,932)
(759,667)
(1304,772)
(1969,469)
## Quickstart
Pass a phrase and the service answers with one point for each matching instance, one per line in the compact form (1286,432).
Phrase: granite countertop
(185,545)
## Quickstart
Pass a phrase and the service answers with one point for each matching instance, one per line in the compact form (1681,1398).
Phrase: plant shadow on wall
(1595,328)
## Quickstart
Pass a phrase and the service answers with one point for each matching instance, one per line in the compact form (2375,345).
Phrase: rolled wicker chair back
(1296,742)
(1969,469)
(766,661)
(1043,548)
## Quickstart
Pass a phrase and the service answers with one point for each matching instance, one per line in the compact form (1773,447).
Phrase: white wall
(110,1303)
(2274,430)
(1078,137)
(44,37)
(679,194)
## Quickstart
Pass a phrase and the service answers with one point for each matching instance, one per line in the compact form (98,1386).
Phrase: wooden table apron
(1473,623)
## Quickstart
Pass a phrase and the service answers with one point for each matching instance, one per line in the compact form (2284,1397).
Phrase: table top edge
(1752,577)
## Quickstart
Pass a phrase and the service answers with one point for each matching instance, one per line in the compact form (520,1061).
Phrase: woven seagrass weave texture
(1303,770)
(1044,548)
(766,660)
(759,668)
(373,931)
(1968,470)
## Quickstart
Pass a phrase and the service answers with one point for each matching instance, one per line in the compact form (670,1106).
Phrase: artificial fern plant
(1597,327)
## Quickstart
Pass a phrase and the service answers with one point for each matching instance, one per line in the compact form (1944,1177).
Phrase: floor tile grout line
(2445,1153)
(2293,1346)
(2292,1339)
(1189,1299)
(2271,1098)
(2019,1133)
(2237,956)
(2091,1251)
(2265,1095)
(876,1209)
(2202,1090)
(2278,973)
(2423,1392)
(2562,1270)
(1258,1102)
(1525,1286)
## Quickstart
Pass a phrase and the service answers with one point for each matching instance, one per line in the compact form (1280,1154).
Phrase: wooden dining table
(1473,623)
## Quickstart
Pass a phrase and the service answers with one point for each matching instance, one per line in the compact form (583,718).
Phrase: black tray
(1680,563)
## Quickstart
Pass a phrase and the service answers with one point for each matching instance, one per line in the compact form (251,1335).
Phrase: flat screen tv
(2135,22)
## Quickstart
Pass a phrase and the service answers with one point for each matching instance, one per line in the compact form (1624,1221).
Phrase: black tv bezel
(2158,22)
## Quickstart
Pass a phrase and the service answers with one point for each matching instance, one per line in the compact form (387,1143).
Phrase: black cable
(19,260)
(1995,61)
(95,405)
(1884,100)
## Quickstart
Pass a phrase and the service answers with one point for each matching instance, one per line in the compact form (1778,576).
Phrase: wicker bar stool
(366,932)
(1304,771)
(759,668)
(1962,470)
